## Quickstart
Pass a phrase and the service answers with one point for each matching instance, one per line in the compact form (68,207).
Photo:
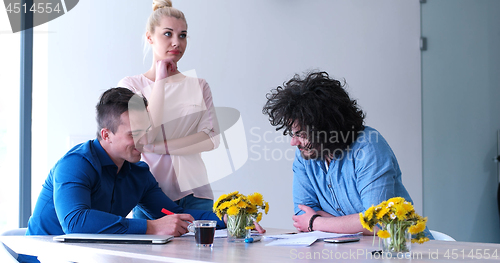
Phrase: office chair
(15,232)
(7,255)
(441,236)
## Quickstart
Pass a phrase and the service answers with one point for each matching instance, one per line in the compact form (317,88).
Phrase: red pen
(165,211)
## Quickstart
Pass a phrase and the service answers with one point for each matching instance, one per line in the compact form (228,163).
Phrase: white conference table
(184,249)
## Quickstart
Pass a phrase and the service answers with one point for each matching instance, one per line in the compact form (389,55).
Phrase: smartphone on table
(341,239)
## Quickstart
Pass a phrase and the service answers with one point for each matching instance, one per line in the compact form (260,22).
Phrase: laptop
(114,238)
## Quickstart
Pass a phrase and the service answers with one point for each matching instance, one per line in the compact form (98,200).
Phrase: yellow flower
(235,193)
(400,211)
(252,209)
(382,212)
(396,200)
(235,201)
(256,199)
(417,228)
(250,227)
(383,234)
(408,206)
(224,206)
(369,212)
(364,222)
(420,240)
(242,204)
(259,217)
(219,214)
(233,210)
(216,204)
(397,212)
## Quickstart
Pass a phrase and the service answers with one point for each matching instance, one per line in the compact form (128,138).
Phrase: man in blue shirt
(341,167)
(97,183)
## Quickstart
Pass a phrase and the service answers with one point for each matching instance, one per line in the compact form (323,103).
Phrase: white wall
(244,49)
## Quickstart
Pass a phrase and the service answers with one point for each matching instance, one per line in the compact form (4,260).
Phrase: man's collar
(102,155)
(105,160)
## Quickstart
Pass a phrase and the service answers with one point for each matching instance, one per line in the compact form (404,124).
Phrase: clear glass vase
(398,245)
(236,227)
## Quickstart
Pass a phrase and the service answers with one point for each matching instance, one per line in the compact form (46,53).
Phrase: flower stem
(236,225)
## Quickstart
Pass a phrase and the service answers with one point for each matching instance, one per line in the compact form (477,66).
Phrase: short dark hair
(112,104)
(320,106)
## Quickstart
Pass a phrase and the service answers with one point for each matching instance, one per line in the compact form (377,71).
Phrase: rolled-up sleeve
(209,123)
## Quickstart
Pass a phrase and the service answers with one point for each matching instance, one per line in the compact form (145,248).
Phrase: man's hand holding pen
(172,224)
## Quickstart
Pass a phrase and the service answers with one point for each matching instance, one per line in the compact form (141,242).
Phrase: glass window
(10,52)
(39,166)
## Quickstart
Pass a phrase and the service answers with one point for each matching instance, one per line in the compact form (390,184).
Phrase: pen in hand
(168,213)
(165,211)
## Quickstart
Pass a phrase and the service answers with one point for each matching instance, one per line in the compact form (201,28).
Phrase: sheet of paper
(316,234)
(298,242)
(302,239)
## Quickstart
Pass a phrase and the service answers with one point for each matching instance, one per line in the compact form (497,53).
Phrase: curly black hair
(320,106)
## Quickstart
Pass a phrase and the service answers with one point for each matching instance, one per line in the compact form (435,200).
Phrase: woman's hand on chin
(165,68)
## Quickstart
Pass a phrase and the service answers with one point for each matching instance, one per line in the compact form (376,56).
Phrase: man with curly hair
(341,166)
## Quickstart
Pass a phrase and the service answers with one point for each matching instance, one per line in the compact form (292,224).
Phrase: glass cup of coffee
(204,231)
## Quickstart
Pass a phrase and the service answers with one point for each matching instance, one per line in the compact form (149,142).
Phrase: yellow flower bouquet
(242,211)
(398,221)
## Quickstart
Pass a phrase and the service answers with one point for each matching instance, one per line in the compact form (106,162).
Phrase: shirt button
(329,186)
(338,209)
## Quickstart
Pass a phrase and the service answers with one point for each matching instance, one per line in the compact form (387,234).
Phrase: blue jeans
(191,202)
(187,202)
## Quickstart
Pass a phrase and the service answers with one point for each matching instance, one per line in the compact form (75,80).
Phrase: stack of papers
(303,239)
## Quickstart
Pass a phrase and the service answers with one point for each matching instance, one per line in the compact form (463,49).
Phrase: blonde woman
(183,118)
